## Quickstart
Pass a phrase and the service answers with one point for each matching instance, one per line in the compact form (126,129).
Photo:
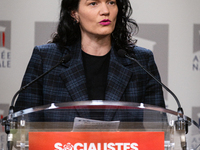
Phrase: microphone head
(121,52)
(66,58)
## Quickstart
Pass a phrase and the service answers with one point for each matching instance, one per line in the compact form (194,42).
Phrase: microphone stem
(8,121)
(27,85)
(178,103)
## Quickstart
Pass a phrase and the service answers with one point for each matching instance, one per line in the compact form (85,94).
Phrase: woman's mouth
(105,22)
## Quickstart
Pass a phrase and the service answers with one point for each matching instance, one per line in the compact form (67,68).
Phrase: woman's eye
(93,4)
(112,2)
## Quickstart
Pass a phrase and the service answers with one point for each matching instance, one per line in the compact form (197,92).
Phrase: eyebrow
(91,0)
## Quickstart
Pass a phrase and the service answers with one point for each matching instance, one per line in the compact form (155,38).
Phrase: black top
(96,71)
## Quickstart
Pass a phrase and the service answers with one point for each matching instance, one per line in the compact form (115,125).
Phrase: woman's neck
(97,46)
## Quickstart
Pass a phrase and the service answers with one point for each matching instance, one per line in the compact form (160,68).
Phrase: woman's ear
(74,15)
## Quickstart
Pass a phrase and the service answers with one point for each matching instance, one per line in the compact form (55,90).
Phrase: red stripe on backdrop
(3,39)
(0,38)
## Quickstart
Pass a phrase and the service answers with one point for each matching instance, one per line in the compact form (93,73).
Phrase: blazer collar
(73,76)
(119,74)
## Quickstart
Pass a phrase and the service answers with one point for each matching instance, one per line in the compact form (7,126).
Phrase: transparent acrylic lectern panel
(102,116)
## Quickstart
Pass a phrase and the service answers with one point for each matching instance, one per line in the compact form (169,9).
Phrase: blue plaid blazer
(126,81)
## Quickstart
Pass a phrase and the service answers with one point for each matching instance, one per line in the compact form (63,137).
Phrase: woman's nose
(104,10)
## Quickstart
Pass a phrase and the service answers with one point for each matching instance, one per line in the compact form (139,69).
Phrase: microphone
(65,59)
(181,124)
(9,120)
(123,53)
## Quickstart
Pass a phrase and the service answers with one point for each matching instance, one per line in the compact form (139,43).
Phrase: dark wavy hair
(68,31)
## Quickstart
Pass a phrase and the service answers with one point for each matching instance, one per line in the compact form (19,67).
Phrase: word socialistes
(98,146)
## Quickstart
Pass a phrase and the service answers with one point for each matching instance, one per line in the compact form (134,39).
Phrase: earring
(76,21)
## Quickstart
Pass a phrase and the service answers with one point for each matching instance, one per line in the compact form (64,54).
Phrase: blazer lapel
(74,78)
(119,75)
(118,78)
(75,82)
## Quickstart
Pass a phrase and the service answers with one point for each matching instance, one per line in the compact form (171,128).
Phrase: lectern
(99,125)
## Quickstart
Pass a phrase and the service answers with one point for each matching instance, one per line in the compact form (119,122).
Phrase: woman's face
(96,17)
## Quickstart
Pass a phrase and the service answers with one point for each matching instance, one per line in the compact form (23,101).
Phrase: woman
(92,31)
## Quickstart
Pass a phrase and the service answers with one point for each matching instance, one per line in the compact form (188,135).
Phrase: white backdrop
(178,22)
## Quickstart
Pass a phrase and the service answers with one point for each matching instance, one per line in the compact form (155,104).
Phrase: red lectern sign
(96,140)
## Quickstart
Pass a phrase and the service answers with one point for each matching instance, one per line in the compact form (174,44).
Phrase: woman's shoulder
(141,50)
(47,47)
(47,51)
